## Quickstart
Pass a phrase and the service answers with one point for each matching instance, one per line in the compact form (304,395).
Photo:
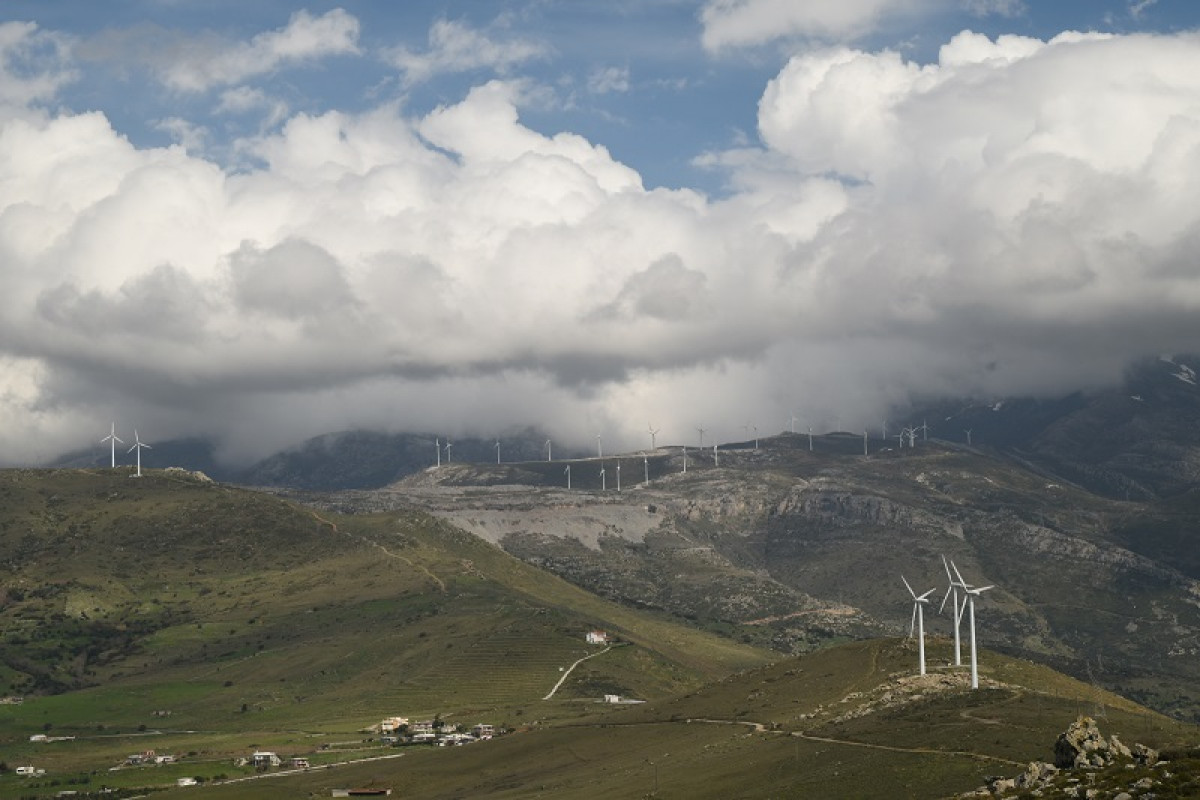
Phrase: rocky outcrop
(1082,755)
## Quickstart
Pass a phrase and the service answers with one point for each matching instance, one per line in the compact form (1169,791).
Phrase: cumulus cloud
(454,47)
(1018,216)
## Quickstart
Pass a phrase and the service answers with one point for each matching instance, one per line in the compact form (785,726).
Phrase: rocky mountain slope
(795,548)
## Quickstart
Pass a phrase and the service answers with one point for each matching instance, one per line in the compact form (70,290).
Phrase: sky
(260,222)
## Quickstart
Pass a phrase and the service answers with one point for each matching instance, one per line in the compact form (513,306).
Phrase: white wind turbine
(112,437)
(701,429)
(716,457)
(138,444)
(448,446)
(437,445)
(599,446)
(568,472)
(603,482)
(685,459)
(810,438)
(918,619)
(497,451)
(548,451)
(646,464)
(967,431)
(958,610)
(653,431)
(792,422)
(971,592)
(618,476)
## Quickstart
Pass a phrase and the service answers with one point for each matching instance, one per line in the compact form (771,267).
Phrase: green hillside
(177,605)
(851,721)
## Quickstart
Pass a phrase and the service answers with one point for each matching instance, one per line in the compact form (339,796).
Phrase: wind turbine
(685,459)
(810,438)
(448,446)
(972,592)
(112,437)
(548,451)
(716,457)
(568,471)
(701,429)
(967,431)
(958,609)
(437,445)
(603,482)
(866,451)
(497,451)
(653,431)
(792,422)
(918,619)
(618,476)
(138,444)
(646,464)
(599,446)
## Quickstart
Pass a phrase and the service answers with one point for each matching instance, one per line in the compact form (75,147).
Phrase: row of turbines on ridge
(907,434)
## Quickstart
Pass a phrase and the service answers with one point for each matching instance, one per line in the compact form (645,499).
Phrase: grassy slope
(261,623)
(705,743)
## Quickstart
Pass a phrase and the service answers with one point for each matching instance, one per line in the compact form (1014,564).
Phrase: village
(395,731)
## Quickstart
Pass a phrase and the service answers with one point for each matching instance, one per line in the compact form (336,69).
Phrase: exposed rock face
(1082,746)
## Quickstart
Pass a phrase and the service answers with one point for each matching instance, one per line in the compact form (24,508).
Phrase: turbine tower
(599,447)
(548,451)
(792,422)
(618,476)
(971,592)
(448,446)
(918,620)
(958,610)
(967,431)
(437,445)
(497,451)
(685,459)
(646,464)
(810,438)
(568,472)
(603,482)
(716,458)
(701,429)
(138,444)
(653,431)
(112,438)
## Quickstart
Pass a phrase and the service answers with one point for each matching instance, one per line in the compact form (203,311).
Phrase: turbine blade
(912,626)
(910,589)
(961,582)
(922,598)
(982,589)
(946,565)
(945,597)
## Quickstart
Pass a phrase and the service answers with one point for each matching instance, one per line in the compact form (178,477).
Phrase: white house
(392,724)
(597,637)
(265,758)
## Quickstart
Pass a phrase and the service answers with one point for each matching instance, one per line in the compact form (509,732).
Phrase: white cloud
(741,23)
(456,47)
(999,8)
(1019,216)
(199,64)
(609,79)
(34,64)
